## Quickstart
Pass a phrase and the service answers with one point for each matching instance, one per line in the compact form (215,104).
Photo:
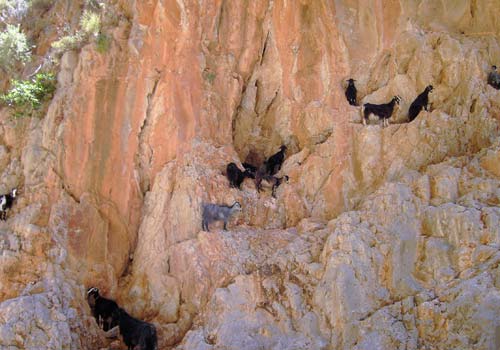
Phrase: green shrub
(27,96)
(209,76)
(103,43)
(14,48)
(90,26)
(90,23)
(68,42)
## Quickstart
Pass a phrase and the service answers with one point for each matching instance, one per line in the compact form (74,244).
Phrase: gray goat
(494,78)
(215,212)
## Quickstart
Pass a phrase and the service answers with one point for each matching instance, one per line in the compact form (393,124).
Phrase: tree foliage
(14,48)
(27,96)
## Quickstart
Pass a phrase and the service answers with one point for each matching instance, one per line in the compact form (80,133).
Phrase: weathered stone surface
(383,237)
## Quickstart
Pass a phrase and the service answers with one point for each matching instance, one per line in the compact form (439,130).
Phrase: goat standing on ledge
(383,111)
(250,170)
(215,212)
(270,179)
(236,176)
(494,78)
(422,101)
(273,164)
(102,308)
(6,201)
(350,92)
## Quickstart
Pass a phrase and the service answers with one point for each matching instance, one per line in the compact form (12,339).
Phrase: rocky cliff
(384,238)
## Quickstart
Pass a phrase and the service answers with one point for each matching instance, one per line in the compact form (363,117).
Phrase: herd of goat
(136,334)
(264,173)
(141,335)
(384,111)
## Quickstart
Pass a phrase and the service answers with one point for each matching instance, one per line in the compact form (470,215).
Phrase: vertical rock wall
(137,138)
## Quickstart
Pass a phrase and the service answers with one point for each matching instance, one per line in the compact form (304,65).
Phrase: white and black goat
(350,92)
(382,111)
(274,162)
(137,334)
(102,309)
(214,212)
(422,101)
(6,201)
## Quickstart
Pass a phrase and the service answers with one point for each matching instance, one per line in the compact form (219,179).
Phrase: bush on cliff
(14,48)
(26,97)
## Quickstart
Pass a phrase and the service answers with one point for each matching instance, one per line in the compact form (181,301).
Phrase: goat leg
(257,185)
(225,225)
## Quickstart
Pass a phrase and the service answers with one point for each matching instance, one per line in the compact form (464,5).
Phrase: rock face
(384,238)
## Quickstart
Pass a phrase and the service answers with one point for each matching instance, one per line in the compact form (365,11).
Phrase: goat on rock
(214,212)
(422,101)
(6,201)
(273,181)
(137,334)
(250,170)
(236,176)
(382,111)
(494,78)
(273,164)
(102,308)
(350,92)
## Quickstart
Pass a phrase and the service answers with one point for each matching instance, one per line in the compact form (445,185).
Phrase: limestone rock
(383,237)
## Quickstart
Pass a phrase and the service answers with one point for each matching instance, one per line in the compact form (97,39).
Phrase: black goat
(422,101)
(6,201)
(273,164)
(350,92)
(214,212)
(383,111)
(137,334)
(494,78)
(236,176)
(102,309)
(250,169)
